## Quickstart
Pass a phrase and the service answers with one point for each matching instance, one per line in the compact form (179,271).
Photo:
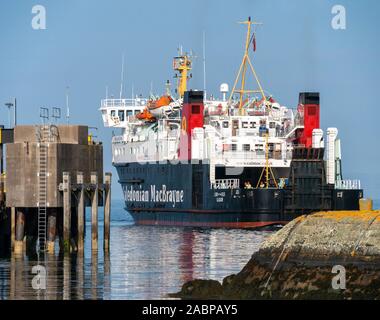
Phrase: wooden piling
(81,213)
(107,210)
(94,211)
(66,211)
(74,228)
(13,228)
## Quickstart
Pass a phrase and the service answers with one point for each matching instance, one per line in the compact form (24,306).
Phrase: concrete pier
(49,185)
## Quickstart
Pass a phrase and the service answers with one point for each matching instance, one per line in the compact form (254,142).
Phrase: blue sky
(297,50)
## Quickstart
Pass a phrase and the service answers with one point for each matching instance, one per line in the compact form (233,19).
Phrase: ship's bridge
(119,112)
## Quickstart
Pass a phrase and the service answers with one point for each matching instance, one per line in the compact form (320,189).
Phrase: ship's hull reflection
(144,263)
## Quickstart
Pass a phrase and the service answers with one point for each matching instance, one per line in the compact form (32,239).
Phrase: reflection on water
(144,263)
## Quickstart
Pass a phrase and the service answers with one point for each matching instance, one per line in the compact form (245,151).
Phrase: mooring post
(13,228)
(66,211)
(81,213)
(20,231)
(52,230)
(107,210)
(94,211)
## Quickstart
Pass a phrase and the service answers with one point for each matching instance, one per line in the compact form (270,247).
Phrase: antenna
(122,76)
(67,105)
(106,92)
(204,63)
(133,89)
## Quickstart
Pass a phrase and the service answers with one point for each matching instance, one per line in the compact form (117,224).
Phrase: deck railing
(226,184)
(347,184)
(123,103)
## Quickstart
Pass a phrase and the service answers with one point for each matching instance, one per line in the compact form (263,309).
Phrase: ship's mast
(182,63)
(267,169)
(243,69)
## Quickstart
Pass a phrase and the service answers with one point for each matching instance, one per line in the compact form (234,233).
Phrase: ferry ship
(241,161)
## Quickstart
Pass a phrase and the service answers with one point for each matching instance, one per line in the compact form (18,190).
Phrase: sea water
(145,262)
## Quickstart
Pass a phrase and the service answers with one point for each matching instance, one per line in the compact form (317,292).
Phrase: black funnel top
(309,98)
(193,96)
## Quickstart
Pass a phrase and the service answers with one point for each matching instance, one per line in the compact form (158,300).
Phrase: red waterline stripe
(193,211)
(240,225)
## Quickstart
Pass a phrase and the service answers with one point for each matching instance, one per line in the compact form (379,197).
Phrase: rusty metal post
(81,213)
(94,211)
(107,210)
(13,228)
(20,232)
(52,230)
(66,211)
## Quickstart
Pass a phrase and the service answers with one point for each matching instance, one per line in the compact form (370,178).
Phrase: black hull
(181,195)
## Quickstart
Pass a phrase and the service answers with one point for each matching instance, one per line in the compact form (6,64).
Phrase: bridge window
(246,147)
(113,113)
(259,147)
(129,113)
(225,124)
(120,114)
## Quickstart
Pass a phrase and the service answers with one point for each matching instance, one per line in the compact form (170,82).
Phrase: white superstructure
(231,139)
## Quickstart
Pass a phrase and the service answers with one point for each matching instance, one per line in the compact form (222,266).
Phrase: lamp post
(9,105)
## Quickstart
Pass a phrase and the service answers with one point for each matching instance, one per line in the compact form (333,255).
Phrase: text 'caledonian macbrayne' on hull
(245,161)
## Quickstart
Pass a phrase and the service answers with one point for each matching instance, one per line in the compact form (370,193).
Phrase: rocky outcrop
(327,255)
(200,289)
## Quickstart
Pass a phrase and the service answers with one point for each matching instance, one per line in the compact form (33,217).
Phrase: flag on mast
(254,42)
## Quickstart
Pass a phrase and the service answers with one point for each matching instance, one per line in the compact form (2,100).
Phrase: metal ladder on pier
(44,139)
